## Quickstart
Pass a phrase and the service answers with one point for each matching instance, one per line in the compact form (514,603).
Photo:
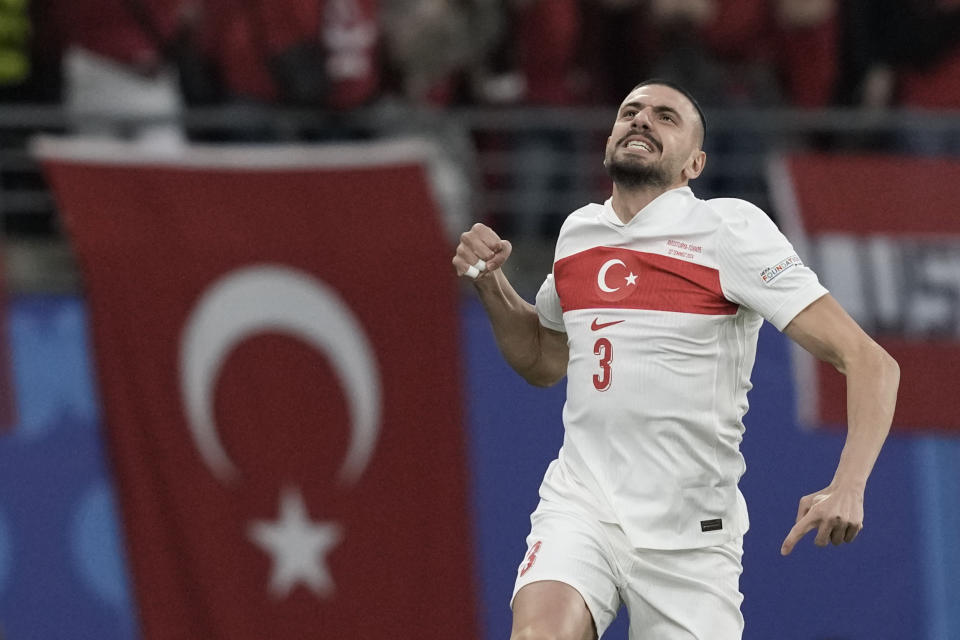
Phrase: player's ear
(696,164)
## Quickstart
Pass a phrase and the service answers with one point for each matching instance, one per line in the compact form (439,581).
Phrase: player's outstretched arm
(825,330)
(535,352)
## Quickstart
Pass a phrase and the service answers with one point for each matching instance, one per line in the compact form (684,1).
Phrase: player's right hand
(480,243)
(835,512)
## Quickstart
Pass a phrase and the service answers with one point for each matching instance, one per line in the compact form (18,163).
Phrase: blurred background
(515,99)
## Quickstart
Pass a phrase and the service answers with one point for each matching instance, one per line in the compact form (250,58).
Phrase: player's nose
(643,118)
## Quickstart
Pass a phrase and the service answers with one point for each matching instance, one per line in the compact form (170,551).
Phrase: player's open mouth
(641,144)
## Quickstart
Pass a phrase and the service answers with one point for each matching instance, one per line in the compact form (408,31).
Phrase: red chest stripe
(615,278)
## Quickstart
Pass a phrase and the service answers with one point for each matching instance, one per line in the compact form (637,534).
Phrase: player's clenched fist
(481,251)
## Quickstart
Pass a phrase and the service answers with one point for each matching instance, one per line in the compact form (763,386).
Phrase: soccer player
(652,313)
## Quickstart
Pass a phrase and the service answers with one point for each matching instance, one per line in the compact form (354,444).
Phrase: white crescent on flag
(275,299)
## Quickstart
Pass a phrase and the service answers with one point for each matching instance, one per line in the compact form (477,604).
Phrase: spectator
(932,81)
(296,52)
(547,38)
(618,46)
(435,48)
(711,46)
(114,69)
(902,53)
(887,38)
(807,34)
(753,52)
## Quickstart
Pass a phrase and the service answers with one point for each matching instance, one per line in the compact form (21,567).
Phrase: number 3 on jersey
(604,350)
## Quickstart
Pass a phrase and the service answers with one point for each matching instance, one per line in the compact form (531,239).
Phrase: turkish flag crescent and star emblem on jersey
(276,340)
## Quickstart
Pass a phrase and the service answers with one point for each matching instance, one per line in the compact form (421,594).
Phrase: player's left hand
(835,512)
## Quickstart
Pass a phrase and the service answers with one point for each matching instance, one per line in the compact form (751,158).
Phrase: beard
(630,175)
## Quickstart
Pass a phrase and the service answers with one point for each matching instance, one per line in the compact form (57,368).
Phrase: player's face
(655,139)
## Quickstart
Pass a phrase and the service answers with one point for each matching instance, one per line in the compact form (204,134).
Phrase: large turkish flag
(276,340)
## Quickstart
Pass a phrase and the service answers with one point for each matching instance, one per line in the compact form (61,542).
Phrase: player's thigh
(551,609)
(567,548)
(686,595)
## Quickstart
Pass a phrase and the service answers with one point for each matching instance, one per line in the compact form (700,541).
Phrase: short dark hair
(686,94)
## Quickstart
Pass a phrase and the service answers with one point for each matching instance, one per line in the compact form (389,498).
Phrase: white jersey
(662,316)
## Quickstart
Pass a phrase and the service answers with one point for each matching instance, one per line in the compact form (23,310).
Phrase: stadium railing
(523,169)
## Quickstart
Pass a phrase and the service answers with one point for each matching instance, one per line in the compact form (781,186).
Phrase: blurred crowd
(340,54)
(130,68)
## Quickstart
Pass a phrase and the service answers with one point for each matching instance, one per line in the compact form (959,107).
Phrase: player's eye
(669,118)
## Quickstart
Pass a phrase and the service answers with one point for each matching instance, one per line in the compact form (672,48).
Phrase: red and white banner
(276,336)
(883,234)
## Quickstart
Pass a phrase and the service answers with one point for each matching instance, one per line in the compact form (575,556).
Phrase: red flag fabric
(883,234)
(276,338)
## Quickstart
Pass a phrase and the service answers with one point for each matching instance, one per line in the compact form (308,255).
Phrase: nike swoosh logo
(596,326)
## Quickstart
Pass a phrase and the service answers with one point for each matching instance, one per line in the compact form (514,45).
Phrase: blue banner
(63,573)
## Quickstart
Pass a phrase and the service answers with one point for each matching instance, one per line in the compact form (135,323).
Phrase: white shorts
(690,594)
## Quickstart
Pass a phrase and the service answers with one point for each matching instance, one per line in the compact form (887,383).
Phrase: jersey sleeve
(760,269)
(548,306)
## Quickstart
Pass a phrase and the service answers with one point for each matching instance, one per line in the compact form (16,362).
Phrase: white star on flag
(298,547)
(631,279)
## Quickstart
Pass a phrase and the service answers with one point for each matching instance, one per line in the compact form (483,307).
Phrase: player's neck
(628,202)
